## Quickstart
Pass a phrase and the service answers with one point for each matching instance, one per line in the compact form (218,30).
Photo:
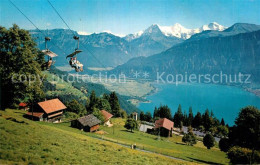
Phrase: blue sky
(128,16)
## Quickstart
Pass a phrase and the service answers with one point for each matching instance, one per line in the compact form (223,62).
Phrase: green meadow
(23,141)
(172,146)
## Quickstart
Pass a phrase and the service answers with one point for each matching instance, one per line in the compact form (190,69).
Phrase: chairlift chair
(74,63)
(50,55)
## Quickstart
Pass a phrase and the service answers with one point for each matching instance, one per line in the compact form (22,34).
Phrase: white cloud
(48,24)
(83,33)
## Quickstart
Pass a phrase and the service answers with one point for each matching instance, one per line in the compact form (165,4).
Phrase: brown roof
(106,115)
(22,104)
(165,123)
(35,114)
(53,105)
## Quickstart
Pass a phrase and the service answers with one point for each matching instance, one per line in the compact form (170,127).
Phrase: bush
(209,141)
(123,114)
(239,155)
(224,144)
(98,114)
(71,115)
(131,124)
(189,139)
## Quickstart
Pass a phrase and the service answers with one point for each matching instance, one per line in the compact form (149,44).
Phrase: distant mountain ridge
(233,30)
(230,54)
(107,50)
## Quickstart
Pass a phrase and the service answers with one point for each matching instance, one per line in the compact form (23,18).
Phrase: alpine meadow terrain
(24,141)
(20,137)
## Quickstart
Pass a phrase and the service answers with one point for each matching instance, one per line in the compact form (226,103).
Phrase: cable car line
(92,54)
(35,25)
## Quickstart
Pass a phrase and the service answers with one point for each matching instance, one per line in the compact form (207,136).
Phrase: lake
(225,101)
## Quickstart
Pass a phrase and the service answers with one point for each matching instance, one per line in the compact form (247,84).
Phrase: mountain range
(176,30)
(234,50)
(107,50)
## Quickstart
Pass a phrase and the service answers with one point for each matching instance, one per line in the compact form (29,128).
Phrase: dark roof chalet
(89,120)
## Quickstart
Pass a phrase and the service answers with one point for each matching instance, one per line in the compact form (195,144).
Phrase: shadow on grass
(127,131)
(19,112)
(203,161)
(14,120)
(180,143)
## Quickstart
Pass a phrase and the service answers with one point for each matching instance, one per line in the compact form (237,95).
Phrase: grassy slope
(168,146)
(79,90)
(26,142)
(63,88)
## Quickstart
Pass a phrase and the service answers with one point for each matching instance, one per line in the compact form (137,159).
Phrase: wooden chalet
(87,123)
(164,126)
(107,117)
(50,110)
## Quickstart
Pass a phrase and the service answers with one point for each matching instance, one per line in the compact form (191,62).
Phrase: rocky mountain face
(228,54)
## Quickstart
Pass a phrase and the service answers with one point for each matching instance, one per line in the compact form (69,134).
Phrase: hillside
(66,91)
(26,142)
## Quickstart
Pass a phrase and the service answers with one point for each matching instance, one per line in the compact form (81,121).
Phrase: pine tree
(164,112)
(142,116)
(190,118)
(114,104)
(178,117)
(222,122)
(148,116)
(93,102)
(185,119)
(197,121)
(207,120)
(155,113)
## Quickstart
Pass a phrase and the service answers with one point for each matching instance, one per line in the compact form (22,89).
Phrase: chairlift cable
(61,18)
(35,25)
(92,54)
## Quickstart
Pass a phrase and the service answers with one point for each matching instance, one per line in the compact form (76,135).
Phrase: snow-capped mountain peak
(212,26)
(177,30)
